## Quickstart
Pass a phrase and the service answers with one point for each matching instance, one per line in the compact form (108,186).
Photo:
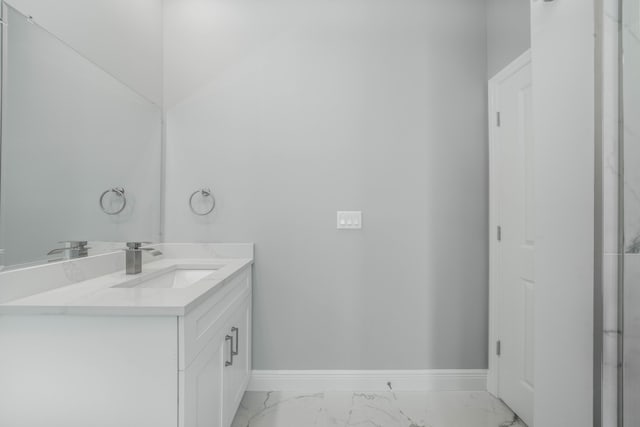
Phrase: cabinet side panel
(77,371)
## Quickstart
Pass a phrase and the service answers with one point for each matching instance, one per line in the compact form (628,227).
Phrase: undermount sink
(175,279)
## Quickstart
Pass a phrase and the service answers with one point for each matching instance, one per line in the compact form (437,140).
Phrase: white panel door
(514,248)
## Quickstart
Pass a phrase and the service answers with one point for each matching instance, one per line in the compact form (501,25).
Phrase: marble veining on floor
(380,409)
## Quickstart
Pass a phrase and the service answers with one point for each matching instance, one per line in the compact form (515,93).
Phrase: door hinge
(499,234)
(498,119)
(498,348)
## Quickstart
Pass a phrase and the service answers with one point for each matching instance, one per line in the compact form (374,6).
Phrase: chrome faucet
(71,249)
(133,256)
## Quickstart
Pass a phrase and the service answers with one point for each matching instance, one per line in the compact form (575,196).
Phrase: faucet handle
(136,245)
(74,248)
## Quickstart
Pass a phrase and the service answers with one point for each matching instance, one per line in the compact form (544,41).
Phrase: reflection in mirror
(81,152)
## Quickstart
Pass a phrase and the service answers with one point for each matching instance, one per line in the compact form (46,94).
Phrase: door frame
(494,221)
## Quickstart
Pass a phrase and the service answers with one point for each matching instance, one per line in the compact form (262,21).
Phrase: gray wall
(292,110)
(508,32)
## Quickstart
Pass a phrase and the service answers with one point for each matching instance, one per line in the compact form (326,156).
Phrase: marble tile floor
(380,409)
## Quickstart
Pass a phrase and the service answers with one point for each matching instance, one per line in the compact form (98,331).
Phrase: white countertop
(98,296)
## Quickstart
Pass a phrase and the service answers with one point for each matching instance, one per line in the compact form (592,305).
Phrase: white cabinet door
(214,383)
(202,405)
(80,371)
(236,375)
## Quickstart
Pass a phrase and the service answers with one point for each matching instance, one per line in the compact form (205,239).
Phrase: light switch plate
(349,220)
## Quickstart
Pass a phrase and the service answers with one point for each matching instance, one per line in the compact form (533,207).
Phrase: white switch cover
(351,220)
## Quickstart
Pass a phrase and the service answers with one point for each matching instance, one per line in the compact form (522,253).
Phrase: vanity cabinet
(130,368)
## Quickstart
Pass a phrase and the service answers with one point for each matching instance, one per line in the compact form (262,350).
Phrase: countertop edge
(169,310)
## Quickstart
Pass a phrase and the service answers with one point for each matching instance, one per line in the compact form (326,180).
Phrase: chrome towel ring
(206,194)
(118,191)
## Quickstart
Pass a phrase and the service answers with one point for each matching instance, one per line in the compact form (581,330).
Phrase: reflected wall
(70,132)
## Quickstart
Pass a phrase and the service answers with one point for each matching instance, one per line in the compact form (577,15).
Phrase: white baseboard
(415,380)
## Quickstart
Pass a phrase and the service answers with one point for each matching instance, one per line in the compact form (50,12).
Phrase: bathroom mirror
(71,134)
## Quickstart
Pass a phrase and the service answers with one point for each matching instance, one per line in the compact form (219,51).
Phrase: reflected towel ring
(206,193)
(119,191)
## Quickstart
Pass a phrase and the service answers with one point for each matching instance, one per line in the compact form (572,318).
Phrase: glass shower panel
(71,131)
(631,195)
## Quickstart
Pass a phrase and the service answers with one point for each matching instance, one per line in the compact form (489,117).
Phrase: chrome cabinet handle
(231,354)
(234,329)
